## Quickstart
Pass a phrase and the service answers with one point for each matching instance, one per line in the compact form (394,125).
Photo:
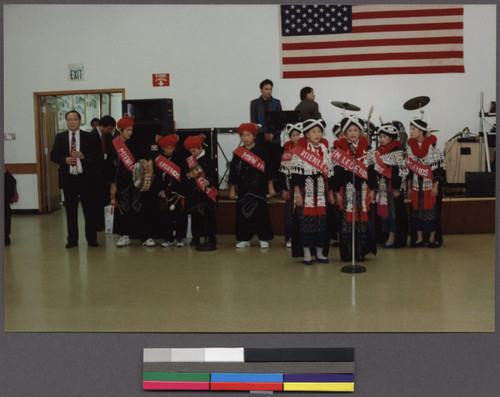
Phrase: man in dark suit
(78,154)
(268,137)
(105,175)
(258,108)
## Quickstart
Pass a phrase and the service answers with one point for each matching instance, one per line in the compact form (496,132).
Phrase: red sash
(170,168)
(380,166)
(249,157)
(346,161)
(312,159)
(211,192)
(420,169)
(124,153)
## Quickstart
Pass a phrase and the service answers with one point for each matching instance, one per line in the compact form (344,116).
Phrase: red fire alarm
(161,80)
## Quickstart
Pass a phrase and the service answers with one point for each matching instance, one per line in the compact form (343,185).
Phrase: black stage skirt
(297,250)
(437,225)
(397,206)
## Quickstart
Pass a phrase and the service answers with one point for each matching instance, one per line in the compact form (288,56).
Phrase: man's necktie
(103,144)
(74,170)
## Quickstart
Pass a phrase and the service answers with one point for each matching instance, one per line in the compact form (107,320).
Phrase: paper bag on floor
(109,213)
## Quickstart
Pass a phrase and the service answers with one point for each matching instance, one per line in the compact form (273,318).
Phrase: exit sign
(161,80)
(75,71)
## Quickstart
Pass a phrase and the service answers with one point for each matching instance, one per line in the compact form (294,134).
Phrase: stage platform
(459,215)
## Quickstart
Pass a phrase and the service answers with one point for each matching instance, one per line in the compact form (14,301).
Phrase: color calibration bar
(249,369)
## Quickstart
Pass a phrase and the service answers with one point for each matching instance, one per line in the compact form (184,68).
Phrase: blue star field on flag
(302,20)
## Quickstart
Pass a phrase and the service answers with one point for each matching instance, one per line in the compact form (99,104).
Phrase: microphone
(351,146)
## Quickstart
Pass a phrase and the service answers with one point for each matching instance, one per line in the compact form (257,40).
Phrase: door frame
(41,151)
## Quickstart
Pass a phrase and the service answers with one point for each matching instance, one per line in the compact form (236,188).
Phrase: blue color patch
(253,378)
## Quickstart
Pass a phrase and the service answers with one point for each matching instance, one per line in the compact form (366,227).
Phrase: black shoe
(194,242)
(71,245)
(417,245)
(93,244)
(7,241)
(359,254)
(433,245)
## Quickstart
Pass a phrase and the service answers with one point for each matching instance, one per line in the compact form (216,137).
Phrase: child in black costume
(426,164)
(201,192)
(391,175)
(311,170)
(365,185)
(250,179)
(294,132)
(170,189)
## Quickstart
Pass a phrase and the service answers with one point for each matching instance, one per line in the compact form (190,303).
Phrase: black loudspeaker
(480,184)
(151,117)
(210,146)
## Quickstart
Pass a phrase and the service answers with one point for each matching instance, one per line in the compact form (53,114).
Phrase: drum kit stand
(416,103)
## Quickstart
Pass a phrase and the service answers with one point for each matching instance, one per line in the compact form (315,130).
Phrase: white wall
(216,56)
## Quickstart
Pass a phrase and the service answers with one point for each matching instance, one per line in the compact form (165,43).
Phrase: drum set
(371,131)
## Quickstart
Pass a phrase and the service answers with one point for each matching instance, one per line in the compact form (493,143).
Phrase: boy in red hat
(134,215)
(170,190)
(202,193)
(250,180)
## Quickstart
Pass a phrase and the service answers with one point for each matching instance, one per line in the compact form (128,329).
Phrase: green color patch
(177,376)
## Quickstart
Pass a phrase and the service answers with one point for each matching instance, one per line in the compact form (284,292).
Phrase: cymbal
(345,105)
(416,103)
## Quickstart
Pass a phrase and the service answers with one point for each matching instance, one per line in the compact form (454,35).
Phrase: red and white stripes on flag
(371,40)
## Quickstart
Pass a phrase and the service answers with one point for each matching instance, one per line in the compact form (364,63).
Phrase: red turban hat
(250,127)
(194,142)
(125,122)
(168,140)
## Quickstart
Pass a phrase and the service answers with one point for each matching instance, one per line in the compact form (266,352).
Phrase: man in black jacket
(269,138)
(78,154)
(106,175)
(258,107)
(307,107)
(10,193)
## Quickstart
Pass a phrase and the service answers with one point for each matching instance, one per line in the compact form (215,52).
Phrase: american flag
(370,39)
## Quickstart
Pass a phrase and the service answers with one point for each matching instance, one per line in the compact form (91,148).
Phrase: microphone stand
(206,246)
(353,268)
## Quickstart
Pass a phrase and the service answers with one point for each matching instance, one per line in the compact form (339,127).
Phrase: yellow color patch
(324,386)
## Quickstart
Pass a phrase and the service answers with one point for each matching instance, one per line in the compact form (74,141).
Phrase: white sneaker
(243,244)
(149,243)
(167,244)
(288,244)
(264,244)
(180,243)
(123,241)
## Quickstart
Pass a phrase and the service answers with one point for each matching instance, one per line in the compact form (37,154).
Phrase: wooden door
(52,191)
